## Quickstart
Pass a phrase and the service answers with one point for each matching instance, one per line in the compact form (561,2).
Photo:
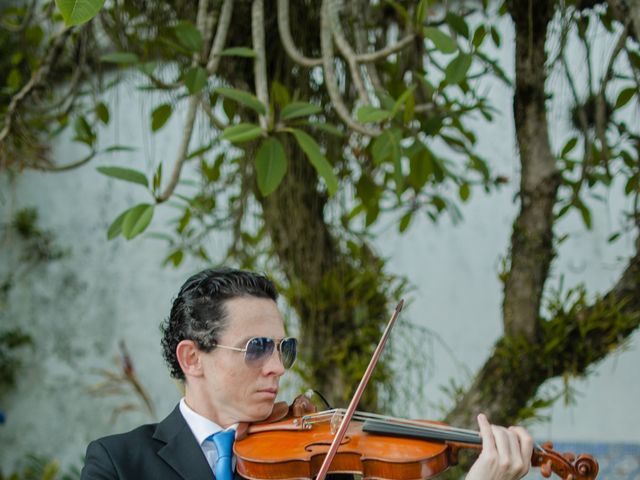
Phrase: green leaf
(632,184)
(584,212)
(279,93)
(420,168)
(159,116)
(624,97)
(271,165)
(396,156)
(409,109)
(405,221)
(175,258)
(457,69)
(77,12)
(84,132)
(14,79)
(384,146)
(327,127)
(243,132)
(115,228)
(495,36)
(458,24)
(137,220)
(127,174)
(195,79)
(317,159)
(119,148)
(157,178)
(402,99)
(464,191)
(569,146)
(120,57)
(200,151)
(422,11)
(245,98)
(239,52)
(441,40)
(148,67)
(102,112)
(367,113)
(188,36)
(299,109)
(478,36)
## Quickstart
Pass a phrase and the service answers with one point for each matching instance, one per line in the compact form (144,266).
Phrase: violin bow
(356,396)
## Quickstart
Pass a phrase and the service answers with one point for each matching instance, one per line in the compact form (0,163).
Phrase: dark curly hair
(199,314)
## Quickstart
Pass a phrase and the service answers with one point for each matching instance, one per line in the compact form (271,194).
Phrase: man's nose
(274,365)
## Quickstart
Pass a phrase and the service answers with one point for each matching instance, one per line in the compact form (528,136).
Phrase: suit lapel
(181,451)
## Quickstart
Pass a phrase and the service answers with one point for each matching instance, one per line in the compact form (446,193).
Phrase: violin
(299,443)
(375,446)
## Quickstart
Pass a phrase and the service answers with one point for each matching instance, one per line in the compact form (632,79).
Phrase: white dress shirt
(202,428)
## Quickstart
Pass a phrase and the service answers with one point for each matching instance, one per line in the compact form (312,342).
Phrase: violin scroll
(565,465)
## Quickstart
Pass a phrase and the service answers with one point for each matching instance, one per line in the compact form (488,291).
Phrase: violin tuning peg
(545,469)
(570,456)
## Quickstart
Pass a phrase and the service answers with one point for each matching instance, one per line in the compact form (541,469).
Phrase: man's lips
(273,391)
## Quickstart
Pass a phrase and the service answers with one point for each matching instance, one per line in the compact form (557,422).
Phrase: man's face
(235,391)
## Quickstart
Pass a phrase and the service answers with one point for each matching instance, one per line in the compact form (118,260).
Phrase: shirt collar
(200,426)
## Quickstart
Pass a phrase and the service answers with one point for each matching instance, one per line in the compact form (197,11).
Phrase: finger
(488,442)
(503,445)
(525,442)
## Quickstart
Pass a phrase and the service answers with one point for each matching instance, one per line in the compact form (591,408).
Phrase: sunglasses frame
(277,346)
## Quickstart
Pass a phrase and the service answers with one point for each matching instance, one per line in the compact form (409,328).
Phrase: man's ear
(188,355)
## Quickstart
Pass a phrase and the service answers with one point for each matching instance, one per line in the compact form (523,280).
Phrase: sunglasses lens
(259,349)
(288,350)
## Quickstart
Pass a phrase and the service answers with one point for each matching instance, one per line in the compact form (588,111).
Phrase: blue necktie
(224,444)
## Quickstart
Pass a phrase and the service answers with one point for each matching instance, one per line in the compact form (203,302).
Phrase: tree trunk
(339,295)
(532,237)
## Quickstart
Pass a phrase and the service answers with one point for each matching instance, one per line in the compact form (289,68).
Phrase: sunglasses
(258,350)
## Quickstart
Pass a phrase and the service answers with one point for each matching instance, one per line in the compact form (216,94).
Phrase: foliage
(124,383)
(11,342)
(40,468)
(35,247)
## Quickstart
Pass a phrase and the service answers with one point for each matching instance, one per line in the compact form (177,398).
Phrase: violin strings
(327,415)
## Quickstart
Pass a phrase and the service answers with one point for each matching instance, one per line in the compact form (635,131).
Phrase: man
(225,340)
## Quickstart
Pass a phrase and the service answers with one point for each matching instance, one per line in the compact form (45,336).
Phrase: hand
(506,453)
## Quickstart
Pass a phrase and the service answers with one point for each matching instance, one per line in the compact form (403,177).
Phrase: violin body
(287,451)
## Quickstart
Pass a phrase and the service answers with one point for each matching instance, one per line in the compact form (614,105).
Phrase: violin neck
(424,433)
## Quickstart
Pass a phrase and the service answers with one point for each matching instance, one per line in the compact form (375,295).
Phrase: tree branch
(346,50)
(220,38)
(34,82)
(360,35)
(284,28)
(385,52)
(326,45)
(572,340)
(206,107)
(260,61)
(194,99)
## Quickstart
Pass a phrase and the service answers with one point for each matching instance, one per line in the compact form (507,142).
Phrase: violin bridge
(336,420)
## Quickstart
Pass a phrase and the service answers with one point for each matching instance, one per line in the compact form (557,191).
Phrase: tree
(336,116)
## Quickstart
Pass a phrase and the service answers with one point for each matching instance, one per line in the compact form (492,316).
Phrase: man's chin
(269,412)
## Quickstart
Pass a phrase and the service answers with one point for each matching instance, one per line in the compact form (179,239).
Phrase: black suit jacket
(165,450)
